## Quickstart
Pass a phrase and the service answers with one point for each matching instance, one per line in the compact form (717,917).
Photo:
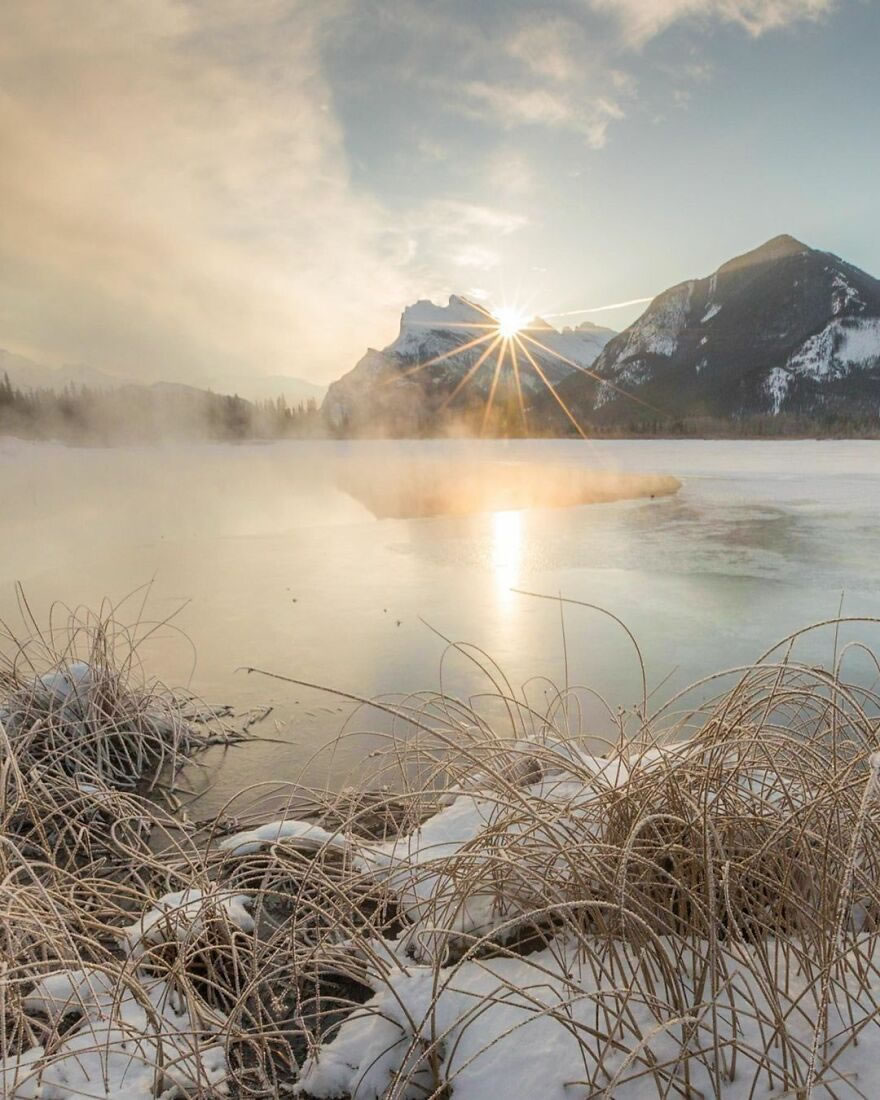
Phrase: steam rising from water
(432,486)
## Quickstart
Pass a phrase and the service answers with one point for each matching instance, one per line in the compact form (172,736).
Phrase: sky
(197,188)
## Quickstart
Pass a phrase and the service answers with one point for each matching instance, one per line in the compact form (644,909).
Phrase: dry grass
(703,899)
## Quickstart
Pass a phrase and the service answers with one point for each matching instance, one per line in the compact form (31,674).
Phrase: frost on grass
(594,1019)
(692,913)
(118,954)
(73,700)
(123,1043)
(504,907)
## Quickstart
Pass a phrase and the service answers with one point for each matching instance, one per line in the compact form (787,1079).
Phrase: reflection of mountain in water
(433,487)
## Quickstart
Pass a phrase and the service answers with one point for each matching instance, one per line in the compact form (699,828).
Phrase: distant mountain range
(441,368)
(785,337)
(783,329)
(25,374)
(780,334)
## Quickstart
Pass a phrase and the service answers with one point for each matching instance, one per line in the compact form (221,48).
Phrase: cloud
(549,48)
(195,185)
(449,234)
(174,191)
(512,105)
(642,20)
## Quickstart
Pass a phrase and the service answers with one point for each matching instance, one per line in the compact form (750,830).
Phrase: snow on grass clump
(693,912)
(501,904)
(592,1018)
(181,915)
(73,701)
(116,1030)
(139,1041)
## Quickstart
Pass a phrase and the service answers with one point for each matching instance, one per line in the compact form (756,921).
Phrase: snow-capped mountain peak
(784,328)
(445,356)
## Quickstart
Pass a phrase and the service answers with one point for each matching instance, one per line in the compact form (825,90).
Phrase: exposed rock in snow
(778,381)
(791,330)
(658,330)
(840,347)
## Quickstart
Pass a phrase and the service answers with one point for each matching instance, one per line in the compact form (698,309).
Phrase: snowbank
(135,1034)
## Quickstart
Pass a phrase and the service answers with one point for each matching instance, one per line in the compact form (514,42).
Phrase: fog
(273,556)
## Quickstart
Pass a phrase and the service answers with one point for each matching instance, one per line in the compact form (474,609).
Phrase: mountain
(429,379)
(25,374)
(784,328)
(267,387)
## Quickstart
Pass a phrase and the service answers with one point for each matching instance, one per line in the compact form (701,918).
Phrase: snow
(776,385)
(301,832)
(859,341)
(72,681)
(18,1075)
(113,1051)
(539,1026)
(420,324)
(425,329)
(66,991)
(633,373)
(844,344)
(130,1022)
(843,295)
(582,345)
(711,312)
(657,331)
(183,914)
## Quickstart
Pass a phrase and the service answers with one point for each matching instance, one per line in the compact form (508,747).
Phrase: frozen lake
(270,562)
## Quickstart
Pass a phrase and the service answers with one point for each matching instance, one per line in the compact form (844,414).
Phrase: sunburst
(506,340)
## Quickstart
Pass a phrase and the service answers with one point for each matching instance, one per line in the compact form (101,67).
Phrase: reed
(494,906)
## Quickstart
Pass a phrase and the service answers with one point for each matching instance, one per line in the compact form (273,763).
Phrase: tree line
(81,414)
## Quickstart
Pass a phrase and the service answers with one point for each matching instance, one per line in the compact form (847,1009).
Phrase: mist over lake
(262,558)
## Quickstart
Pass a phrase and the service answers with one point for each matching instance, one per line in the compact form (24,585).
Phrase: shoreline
(481,895)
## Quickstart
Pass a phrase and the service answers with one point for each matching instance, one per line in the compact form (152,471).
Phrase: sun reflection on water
(507,548)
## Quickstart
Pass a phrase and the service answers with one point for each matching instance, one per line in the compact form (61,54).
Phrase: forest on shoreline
(132,414)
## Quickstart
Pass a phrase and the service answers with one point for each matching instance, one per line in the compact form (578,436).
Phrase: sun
(505,340)
(510,321)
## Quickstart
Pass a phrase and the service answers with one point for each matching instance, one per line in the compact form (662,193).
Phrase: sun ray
(473,370)
(550,387)
(492,388)
(452,324)
(515,364)
(439,358)
(508,332)
(597,377)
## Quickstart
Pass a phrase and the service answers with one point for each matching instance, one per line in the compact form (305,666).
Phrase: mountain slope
(420,381)
(781,329)
(25,374)
(266,387)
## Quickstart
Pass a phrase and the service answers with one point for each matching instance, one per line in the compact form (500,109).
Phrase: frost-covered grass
(500,905)
(74,701)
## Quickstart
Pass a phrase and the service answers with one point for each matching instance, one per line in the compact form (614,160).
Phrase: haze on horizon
(190,190)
